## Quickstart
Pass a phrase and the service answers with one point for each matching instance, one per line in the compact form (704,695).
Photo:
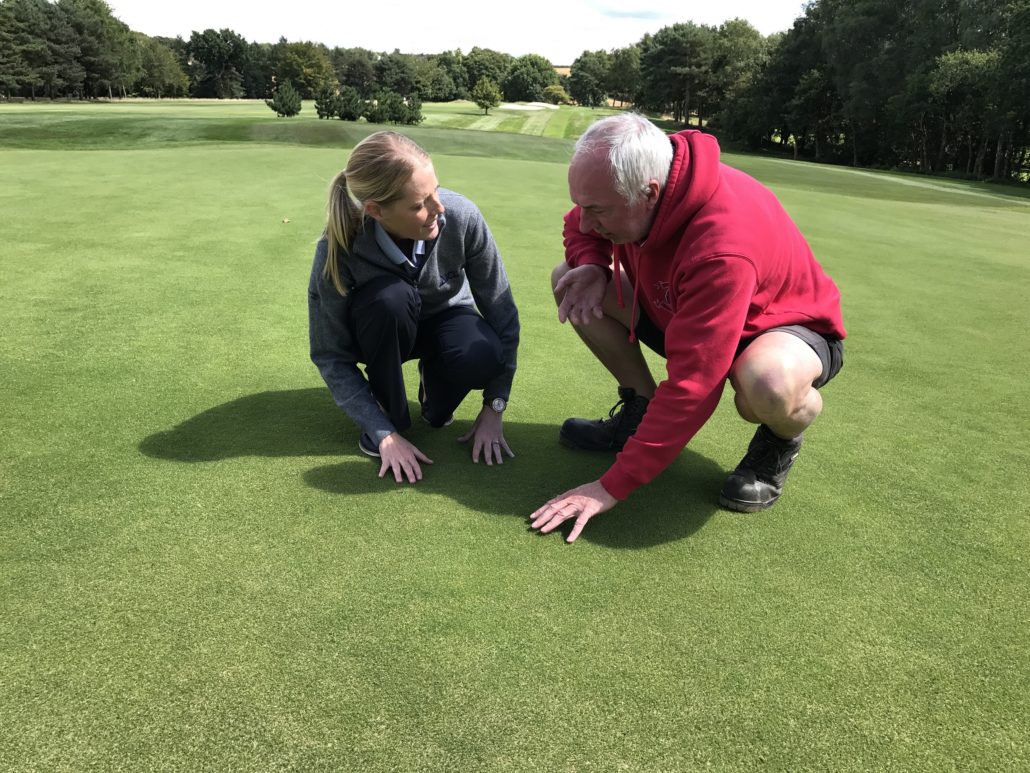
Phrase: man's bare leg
(608,339)
(773,380)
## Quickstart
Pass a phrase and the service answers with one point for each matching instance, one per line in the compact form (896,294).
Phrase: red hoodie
(723,262)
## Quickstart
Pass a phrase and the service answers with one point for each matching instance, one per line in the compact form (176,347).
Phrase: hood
(693,178)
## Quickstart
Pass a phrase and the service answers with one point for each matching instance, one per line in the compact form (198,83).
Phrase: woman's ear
(374,210)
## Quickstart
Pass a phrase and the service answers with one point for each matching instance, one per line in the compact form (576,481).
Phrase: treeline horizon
(931,86)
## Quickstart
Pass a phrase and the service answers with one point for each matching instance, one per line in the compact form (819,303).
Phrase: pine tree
(349,105)
(285,101)
(327,103)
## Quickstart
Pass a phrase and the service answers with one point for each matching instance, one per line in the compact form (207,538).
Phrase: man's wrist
(603,268)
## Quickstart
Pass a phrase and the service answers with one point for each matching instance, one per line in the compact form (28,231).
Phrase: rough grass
(198,571)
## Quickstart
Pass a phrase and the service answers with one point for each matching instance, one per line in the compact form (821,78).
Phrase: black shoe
(447,423)
(423,401)
(758,480)
(368,446)
(608,434)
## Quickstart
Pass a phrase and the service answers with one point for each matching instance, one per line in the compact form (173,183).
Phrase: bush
(349,104)
(391,107)
(556,95)
(376,110)
(326,102)
(285,101)
(413,112)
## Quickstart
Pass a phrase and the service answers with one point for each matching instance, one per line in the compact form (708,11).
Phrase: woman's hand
(488,437)
(403,458)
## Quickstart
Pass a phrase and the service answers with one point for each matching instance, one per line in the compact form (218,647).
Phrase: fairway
(199,570)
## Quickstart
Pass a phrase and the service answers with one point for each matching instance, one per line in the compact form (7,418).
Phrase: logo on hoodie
(663,296)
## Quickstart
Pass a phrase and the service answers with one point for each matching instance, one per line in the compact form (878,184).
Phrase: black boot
(608,434)
(758,480)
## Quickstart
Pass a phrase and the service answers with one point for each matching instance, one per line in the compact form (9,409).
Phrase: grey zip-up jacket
(462,268)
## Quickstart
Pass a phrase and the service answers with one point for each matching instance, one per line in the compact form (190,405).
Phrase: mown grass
(161,123)
(199,571)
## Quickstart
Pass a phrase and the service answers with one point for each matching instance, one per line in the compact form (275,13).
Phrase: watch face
(498,404)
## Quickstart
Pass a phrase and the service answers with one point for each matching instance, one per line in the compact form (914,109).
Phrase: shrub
(413,112)
(389,107)
(375,110)
(326,102)
(349,104)
(556,95)
(285,101)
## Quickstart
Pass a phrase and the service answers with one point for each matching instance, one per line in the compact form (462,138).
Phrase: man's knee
(773,376)
(559,271)
(768,392)
(744,409)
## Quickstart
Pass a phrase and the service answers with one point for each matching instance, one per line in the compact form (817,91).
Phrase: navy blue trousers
(456,348)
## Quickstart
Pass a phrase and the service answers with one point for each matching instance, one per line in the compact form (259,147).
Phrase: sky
(559,31)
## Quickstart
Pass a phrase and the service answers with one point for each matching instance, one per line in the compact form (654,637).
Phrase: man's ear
(654,192)
(374,210)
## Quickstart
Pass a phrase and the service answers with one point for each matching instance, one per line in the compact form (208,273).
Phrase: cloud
(643,14)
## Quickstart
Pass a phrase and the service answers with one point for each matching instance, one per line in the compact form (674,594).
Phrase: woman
(396,279)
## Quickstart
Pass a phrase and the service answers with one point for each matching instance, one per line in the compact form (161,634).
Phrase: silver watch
(498,404)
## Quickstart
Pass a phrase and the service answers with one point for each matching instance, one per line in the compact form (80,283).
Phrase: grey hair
(636,149)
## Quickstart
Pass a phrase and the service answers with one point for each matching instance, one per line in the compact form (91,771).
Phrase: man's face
(602,210)
(414,214)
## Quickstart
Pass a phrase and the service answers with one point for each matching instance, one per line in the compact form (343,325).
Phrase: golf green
(199,570)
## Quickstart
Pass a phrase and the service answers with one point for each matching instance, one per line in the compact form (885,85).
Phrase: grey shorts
(830,351)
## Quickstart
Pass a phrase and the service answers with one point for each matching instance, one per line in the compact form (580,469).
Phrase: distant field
(151,123)
(199,570)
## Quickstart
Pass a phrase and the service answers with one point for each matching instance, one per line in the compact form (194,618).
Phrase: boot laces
(625,415)
(769,459)
(615,414)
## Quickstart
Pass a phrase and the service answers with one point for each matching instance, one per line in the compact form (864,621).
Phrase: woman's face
(414,214)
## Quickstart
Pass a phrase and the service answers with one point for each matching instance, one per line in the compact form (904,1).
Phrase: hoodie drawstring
(622,304)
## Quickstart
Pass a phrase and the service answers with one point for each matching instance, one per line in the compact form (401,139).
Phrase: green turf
(198,570)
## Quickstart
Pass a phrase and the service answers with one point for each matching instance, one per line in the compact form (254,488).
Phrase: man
(720,282)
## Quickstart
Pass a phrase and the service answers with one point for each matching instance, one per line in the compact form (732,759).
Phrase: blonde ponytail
(343,220)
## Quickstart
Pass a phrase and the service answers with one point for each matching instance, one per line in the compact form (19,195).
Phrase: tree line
(934,86)
(76,49)
(931,86)
(937,86)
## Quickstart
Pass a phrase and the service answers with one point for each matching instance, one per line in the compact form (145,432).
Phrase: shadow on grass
(297,422)
(673,507)
(305,422)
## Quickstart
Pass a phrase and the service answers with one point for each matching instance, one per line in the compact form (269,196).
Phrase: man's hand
(400,456)
(581,503)
(488,437)
(584,288)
